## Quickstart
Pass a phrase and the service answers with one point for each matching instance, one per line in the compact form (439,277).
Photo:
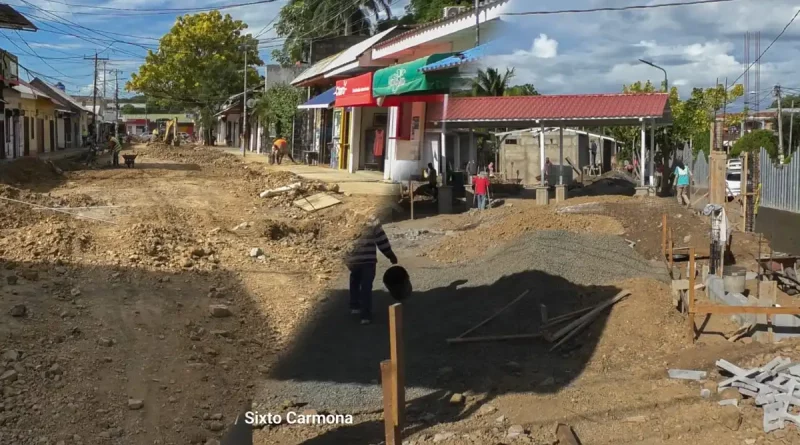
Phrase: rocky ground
(171,294)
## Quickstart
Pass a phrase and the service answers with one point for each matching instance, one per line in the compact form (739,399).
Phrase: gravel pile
(334,364)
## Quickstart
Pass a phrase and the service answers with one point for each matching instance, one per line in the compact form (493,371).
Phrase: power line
(618,8)
(37,55)
(768,47)
(173,10)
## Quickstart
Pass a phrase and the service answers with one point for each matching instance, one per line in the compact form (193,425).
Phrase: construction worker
(481,186)
(362,262)
(116,148)
(280,147)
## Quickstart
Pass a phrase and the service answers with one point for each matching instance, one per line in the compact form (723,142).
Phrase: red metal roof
(553,108)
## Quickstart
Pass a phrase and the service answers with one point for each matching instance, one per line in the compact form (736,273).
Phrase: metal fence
(780,184)
(700,170)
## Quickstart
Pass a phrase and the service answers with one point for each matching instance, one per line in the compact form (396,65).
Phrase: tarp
(406,78)
(324,100)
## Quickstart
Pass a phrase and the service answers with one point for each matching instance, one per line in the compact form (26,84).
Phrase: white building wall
(60,132)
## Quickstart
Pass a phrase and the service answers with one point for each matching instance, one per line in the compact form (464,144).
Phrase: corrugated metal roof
(461,58)
(553,108)
(316,69)
(10,18)
(354,52)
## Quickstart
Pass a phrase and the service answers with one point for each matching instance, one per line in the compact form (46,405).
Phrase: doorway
(40,134)
(52,135)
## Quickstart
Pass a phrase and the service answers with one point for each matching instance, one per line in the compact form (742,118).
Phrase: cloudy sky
(566,53)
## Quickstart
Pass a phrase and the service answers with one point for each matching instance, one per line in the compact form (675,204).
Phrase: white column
(457,153)
(541,153)
(258,138)
(391,143)
(651,161)
(561,154)
(354,155)
(443,144)
(642,156)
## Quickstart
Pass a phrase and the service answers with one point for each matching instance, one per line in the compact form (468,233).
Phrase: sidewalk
(359,183)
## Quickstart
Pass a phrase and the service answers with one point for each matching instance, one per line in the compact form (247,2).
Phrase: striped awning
(453,61)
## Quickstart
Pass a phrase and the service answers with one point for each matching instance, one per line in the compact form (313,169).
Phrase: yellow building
(33,128)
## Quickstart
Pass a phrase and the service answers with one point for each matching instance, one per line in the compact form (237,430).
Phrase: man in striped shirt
(362,262)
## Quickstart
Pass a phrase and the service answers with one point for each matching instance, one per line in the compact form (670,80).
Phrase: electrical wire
(618,8)
(37,55)
(109,8)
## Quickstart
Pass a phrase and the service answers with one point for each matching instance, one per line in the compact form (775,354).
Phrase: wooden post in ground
(690,293)
(743,190)
(397,354)
(663,235)
(671,253)
(392,431)
(411,198)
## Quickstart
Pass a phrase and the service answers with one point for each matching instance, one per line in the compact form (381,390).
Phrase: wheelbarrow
(129,160)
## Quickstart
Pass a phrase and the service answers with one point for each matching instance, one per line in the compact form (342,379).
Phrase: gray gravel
(334,364)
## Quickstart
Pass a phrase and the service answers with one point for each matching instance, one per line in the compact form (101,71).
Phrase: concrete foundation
(542,196)
(445,199)
(642,191)
(561,193)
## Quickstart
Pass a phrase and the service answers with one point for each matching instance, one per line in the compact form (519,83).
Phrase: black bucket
(396,279)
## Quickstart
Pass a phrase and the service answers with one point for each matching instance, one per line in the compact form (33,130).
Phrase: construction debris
(684,374)
(280,190)
(774,387)
(316,202)
(577,326)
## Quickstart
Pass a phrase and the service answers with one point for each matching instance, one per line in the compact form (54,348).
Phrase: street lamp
(652,135)
(666,82)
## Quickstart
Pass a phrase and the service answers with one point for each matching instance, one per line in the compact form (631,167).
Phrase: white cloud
(544,47)
(55,45)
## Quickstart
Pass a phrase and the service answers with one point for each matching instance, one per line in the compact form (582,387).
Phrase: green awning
(407,78)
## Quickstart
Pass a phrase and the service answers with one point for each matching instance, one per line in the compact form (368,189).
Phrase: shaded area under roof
(10,18)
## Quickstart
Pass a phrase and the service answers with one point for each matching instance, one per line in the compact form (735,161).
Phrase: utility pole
(95,123)
(116,102)
(780,122)
(244,105)
(477,24)
(791,125)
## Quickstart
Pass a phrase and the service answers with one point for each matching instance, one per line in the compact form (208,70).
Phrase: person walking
(433,181)
(362,262)
(682,180)
(593,152)
(481,186)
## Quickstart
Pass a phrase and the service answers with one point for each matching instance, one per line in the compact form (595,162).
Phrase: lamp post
(652,135)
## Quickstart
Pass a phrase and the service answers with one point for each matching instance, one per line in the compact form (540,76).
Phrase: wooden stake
(692,273)
(392,432)
(397,354)
(495,314)
(411,197)
(671,259)
(589,316)
(663,234)
(562,318)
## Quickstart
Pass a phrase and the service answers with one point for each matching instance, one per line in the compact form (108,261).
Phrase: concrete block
(561,193)
(642,191)
(680,285)
(728,402)
(542,196)
(685,374)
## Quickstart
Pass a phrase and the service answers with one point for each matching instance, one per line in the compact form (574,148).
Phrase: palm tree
(491,83)
(522,90)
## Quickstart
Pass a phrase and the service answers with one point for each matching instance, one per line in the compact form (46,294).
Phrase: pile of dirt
(28,170)
(610,183)
(187,154)
(15,213)
(474,242)
(48,240)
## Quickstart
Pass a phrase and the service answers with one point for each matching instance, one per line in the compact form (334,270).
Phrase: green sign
(406,78)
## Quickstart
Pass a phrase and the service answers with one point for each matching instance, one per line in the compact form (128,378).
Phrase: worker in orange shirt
(280,148)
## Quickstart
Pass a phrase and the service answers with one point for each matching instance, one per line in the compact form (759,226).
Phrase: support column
(651,161)
(541,153)
(642,157)
(561,189)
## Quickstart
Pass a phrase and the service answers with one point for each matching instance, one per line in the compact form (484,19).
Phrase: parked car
(733,181)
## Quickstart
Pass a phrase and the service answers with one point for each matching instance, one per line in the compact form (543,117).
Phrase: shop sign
(355,91)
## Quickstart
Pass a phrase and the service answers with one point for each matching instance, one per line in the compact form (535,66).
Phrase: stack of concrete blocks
(774,386)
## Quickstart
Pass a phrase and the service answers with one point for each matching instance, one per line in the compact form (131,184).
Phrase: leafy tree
(490,82)
(300,21)
(128,109)
(786,101)
(522,90)
(199,65)
(753,141)
(277,107)
(424,11)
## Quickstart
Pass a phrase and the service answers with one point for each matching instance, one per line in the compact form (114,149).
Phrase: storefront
(366,130)
(322,148)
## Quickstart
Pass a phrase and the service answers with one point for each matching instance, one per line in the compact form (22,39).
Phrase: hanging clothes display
(380,142)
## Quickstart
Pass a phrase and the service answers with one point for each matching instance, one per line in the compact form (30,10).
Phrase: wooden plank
(562,318)
(493,338)
(316,202)
(397,355)
(663,234)
(566,436)
(391,431)
(470,330)
(728,310)
(671,254)
(590,316)
(698,199)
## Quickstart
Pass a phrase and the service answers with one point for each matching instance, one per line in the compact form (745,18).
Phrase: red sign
(355,92)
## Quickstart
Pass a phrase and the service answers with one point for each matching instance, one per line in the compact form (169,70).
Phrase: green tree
(753,141)
(128,109)
(522,90)
(198,65)
(490,82)
(277,107)
(786,101)
(300,21)
(424,11)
